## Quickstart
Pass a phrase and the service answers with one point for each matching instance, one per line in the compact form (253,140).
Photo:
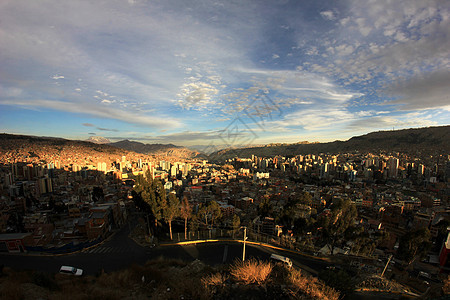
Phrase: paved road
(121,252)
(111,258)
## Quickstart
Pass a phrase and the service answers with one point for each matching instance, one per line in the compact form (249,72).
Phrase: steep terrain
(430,140)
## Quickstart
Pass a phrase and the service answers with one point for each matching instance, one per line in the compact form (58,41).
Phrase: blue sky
(223,73)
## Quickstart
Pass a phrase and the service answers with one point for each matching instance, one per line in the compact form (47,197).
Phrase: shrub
(446,287)
(214,279)
(251,271)
(302,284)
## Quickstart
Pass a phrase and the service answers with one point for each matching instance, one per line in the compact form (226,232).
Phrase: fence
(218,233)
(67,248)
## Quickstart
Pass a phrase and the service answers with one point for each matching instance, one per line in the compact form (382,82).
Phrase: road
(121,252)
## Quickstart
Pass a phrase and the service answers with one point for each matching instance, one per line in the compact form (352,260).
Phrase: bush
(216,279)
(310,286)
(446,287)
(251,271)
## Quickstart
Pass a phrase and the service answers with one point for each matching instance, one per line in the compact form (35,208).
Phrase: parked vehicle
(71,271)
(282,259)
(424,275)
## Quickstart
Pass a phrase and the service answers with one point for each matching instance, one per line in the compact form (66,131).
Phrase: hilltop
(417,140)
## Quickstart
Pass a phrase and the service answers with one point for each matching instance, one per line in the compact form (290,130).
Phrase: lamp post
(385,267)
(245,237)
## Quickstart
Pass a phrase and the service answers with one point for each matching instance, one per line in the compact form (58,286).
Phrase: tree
(203,213)
(265,208)
(305,199)
(339,222)
(236,224)
(185,213)
(97,194)
(210,210)
(171,211)
(214,210)
(193,225)
(151,196)
(414,244)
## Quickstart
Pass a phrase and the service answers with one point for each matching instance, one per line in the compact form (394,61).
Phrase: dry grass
(251,271)
(171,279)
(122,279)
(216,279)
(302,284)
(446,287)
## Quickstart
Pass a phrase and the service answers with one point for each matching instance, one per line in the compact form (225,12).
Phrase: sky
(214,74)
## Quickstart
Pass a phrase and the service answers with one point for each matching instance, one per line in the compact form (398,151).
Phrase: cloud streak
(191,68)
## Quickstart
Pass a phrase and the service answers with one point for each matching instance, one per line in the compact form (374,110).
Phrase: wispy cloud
(191,68)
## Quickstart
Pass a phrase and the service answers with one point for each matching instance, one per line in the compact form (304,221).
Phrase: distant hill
(92,147)
(98,140)
(430,139)
(157,149)
(13,141)
(23,146)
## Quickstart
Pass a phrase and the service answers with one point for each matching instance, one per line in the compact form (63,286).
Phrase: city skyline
(212,73)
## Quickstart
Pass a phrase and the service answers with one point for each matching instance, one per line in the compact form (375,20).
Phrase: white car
(282,259)
(71,271)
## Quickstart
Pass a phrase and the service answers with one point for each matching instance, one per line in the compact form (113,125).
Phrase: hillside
(23,148)
(169,279)
(431,139)
(35,146)
(164,278)
(157,149)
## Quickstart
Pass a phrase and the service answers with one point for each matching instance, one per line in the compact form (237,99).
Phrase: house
(15,242)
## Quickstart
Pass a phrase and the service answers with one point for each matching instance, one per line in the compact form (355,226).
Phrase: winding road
(121,252)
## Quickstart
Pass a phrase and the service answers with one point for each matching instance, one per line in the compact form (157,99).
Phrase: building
(15,242)
(444,255)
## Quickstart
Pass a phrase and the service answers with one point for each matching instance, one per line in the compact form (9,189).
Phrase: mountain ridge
(403,140)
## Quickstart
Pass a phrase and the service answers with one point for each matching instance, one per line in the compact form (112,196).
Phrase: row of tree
(151,197)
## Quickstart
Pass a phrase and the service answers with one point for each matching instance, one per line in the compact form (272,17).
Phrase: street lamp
(385,267)
(245,238)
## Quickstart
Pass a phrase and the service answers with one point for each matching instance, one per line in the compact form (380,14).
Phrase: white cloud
(91,109)
(328,15)
(197,95)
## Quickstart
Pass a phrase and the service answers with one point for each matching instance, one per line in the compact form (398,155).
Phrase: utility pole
(245,237)
(385,267)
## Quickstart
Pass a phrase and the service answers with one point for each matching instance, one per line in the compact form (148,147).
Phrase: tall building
(393,167)
(45,185)
(9,179)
